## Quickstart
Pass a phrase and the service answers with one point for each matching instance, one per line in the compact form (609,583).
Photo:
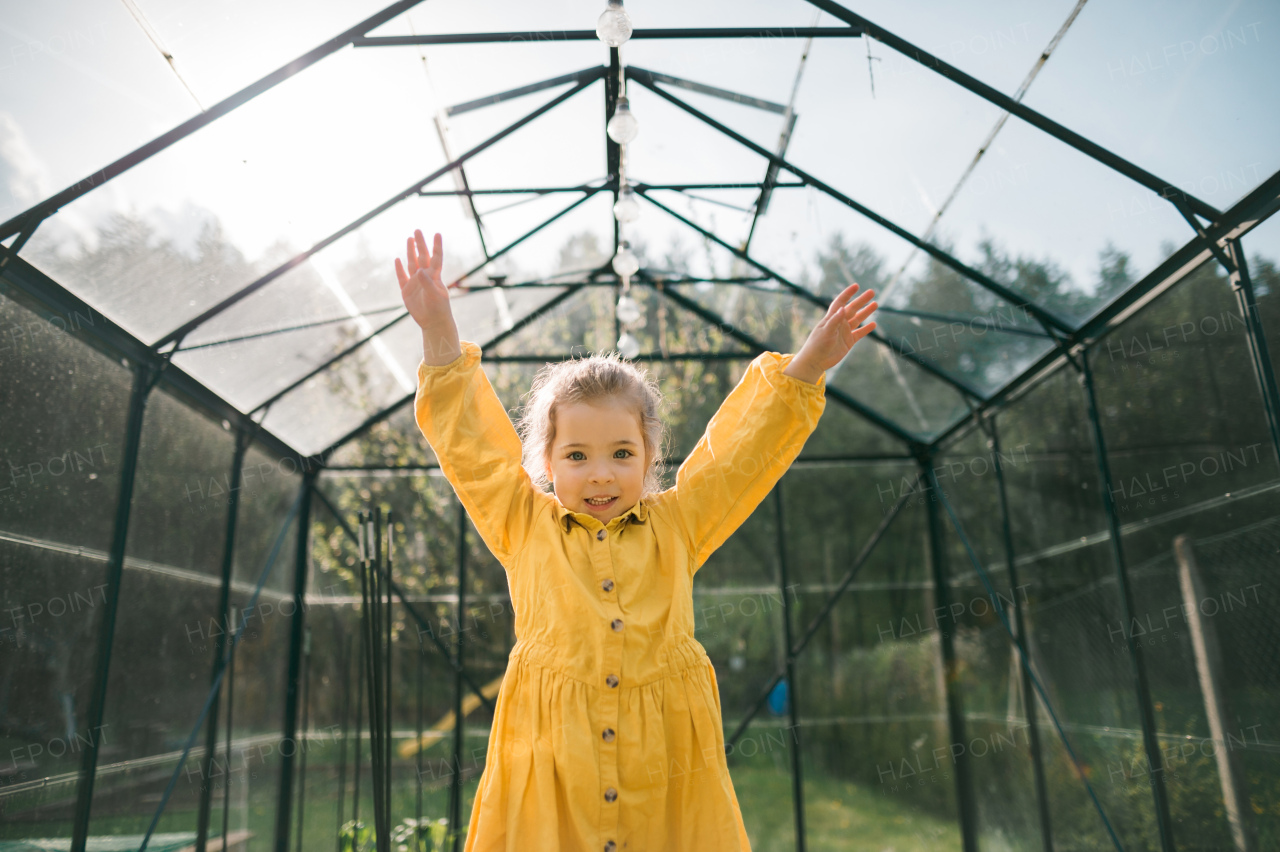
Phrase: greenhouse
(1017,591)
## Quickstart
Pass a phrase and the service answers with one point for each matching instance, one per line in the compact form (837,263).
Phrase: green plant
(411,835)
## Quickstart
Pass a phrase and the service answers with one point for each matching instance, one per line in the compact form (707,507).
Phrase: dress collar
(565,516)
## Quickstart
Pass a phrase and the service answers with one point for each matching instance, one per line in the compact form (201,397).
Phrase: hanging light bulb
(626,208)
(628,345)
(628,311)
(625,263)
(623,127)
(614,26)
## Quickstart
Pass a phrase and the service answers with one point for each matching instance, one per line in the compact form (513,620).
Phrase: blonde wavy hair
(600,378)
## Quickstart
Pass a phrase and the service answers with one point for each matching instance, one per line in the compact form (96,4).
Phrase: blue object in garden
(778,698)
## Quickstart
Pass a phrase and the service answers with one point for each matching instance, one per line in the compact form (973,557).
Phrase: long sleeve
(479,450)
(748,445)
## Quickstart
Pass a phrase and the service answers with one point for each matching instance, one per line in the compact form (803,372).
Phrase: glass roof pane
(384,371)
(290,167)
(1072,231)
(63,70)
(1175,92)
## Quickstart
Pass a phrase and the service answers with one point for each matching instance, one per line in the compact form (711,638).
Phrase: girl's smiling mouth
(605,505)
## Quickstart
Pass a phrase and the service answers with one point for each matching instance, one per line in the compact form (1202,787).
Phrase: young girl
(607,733)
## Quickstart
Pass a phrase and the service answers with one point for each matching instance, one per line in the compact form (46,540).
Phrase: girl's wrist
(440,346)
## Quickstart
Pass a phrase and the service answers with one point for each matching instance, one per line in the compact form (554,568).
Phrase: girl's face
(598,452)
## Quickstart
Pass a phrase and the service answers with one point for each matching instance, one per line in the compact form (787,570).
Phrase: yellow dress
(607,733)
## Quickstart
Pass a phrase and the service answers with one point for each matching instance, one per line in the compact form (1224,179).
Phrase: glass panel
(168,616)
(1146,75)
(63,408)
(1196,482)
(1069,577)
(873,728)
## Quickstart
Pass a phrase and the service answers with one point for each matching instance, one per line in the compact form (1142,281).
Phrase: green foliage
(409,835)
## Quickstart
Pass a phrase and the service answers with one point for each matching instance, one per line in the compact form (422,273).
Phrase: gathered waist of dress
(676,655)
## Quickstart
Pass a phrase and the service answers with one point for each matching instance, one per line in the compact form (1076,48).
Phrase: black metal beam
(243,439)
(1255,333)
(50,205)
(716,92)
(293,680)
(1113,161)
(1138,668)
(1024,671)
(534,36)
(509,94)
(315,371)
(144,378)
(964,388)
(613,82)
(544,190)
(1259,204)
(947,624)
(789,666)
(759,346)
(1042,314)
(186,328)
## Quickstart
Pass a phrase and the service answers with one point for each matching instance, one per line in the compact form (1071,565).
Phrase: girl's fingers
(401,274)
(424,256)
(843,297)
(862,331)
(437,254)
(862,299)
(866,311)
(412,251)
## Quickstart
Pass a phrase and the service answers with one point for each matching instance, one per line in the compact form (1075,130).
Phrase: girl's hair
(600,378)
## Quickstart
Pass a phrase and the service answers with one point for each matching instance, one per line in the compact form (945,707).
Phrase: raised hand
(427,299)
(834,335)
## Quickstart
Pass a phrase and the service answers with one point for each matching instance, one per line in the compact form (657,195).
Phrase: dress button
(600,535)
(610,794)
(612,680)
(607,585)
(608,735)
(610,846)
(617,624)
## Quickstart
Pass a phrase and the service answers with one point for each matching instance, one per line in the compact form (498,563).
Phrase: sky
(1178,87)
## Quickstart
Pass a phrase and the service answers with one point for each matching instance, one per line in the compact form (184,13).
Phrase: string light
(626,209)
(625,263)
(614,25)
(623,127)
(628,311)
(628,346)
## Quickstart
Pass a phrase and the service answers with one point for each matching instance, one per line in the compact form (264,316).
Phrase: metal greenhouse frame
(1212,235)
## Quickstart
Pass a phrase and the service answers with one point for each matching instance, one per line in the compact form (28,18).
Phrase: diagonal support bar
(1113,161)
(489,100)
(758,346)
(974,275)
(187,327)
(407,398)
(50,205)
(362,341)
(823,303)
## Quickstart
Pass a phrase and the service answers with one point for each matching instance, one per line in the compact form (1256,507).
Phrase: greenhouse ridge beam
(535,36)
(1042,314)
(544,190)
(187,327)
(1135,173)
(821,302)
(51,205)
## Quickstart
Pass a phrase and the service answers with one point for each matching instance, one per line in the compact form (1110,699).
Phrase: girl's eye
(575,453)
(628,452)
